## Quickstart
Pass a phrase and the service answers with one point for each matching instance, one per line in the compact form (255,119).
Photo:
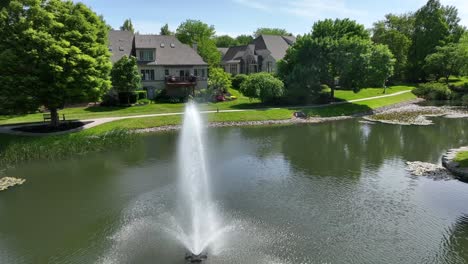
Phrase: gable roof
(275,45)
(223,51)
(120,44)
(169,50)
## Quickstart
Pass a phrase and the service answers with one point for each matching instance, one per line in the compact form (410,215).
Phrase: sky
(235,17)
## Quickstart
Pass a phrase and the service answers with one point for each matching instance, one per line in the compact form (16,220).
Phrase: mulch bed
(46,128)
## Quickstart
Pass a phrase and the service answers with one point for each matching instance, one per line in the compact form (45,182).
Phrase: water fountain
(197,213)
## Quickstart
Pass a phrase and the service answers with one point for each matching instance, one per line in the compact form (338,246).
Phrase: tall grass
(25,149)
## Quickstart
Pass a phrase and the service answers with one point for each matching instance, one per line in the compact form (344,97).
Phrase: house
(164,62)
(259,56)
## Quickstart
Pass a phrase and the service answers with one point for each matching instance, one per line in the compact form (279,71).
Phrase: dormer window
(172,45)
(146,55)
(162,45)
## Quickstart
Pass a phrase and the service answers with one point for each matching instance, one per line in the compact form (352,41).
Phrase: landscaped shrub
(144,101)
(127,98)
(109,100)
(433,91)
(263,86)
(142,94)
(238,80)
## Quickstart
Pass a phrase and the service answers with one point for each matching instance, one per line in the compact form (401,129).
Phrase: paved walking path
(99,121)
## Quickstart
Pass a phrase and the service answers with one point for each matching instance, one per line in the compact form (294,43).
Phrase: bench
(48,117)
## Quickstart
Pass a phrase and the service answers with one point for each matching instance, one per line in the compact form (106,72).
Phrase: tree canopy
(192,31)
(225,41)
(165,31)
(52,53)
(244,39)
(209,52)
(271,31)
(127,25)
(125,75)
(219,79)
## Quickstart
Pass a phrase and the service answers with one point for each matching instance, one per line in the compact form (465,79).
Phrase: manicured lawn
(462,159)
(158,108)
(255,115)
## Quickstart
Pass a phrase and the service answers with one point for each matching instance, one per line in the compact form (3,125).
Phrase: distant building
(259,56)
(164,62)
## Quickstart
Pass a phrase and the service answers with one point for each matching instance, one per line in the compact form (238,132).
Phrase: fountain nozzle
(192,258)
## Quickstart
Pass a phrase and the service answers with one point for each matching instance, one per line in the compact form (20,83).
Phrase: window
(195,72)
(203,73)
(166,72)
(269,66)
(146,55)
(147,75)
(233,69)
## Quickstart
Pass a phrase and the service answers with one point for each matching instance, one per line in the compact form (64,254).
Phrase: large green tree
(192,31)
(263,86)
(225,41)
(127,25)
(219,79)
(52,53)
(271,31)
(448,60)
(209,52)
(430,31)
(125,75)
(380,67)
(396,32)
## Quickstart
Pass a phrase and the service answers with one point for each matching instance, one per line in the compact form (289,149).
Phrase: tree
(125,75)
(263,86)
(225,41)
(209,52)
(448,60)
(271,31)
(430,31)
(238,80)
(192,31)
(52,53)
(338,29)
(165,30)
(396,32)
(127,25)
(219,79)
(381,66)
(244,40)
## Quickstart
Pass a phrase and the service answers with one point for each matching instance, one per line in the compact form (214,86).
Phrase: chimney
(195,46)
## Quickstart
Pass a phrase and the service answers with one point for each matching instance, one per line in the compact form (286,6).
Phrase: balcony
(182,81)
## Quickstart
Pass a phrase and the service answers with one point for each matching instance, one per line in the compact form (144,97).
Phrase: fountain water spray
(197,209)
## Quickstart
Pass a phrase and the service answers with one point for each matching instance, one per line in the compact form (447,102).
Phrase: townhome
(164,62)
(261,55)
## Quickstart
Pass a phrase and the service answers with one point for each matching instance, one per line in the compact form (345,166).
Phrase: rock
(429,170)
(448,161)
(7,182)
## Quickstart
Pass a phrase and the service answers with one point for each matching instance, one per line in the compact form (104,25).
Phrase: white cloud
(314,9)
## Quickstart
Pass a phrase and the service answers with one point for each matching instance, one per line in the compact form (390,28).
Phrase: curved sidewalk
(99,121)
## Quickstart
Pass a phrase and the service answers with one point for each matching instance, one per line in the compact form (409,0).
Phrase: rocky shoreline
(413,114)
(292,121)
(7,182)
(448,161)
(428,170)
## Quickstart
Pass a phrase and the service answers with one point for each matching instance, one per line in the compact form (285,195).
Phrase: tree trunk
(447,79)
(54,117)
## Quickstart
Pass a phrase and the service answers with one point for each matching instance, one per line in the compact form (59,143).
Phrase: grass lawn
(255,115)
(462,159)
(241,103)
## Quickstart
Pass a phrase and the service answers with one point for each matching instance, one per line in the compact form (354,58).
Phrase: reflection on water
(334,193)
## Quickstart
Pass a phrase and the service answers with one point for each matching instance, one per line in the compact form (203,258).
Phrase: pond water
(335,192)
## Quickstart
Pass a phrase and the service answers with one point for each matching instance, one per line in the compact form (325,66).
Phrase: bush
(263,86)
(142,94)
(465,100)
(433,91)
(109,100)
(126,98)
(238,80)
(144,101)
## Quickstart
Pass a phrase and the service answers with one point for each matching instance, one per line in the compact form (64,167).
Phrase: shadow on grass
(101,109)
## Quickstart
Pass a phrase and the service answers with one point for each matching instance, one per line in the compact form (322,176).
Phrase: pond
(335,192)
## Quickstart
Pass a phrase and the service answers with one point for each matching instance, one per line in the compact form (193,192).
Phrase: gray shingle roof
(120,44)
(276,45)
(223,51)
(173,52)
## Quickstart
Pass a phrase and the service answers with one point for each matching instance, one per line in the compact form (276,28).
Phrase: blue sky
(234,17)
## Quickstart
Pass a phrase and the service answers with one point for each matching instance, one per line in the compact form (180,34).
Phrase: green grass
(159,108)
(462,159)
